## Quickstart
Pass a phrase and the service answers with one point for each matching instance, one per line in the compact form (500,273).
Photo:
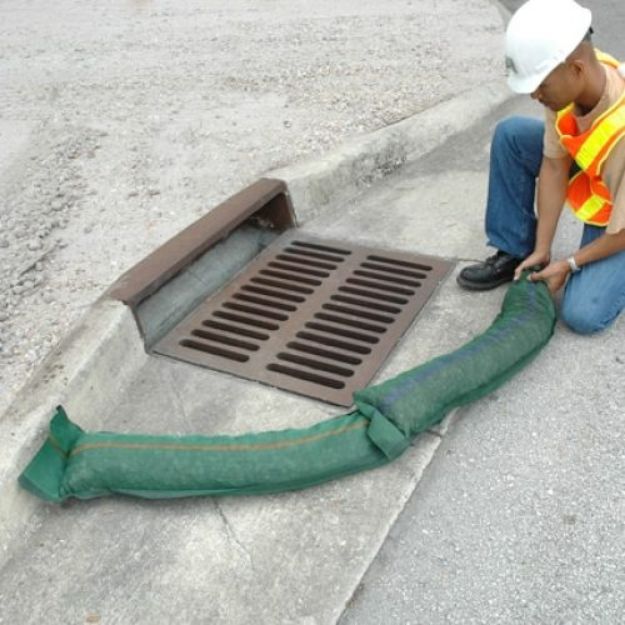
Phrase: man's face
(561,87)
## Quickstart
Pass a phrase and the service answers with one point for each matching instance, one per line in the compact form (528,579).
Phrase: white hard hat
(540,35)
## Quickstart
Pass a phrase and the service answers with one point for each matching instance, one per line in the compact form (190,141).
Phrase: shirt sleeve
(552,148)
(614,177)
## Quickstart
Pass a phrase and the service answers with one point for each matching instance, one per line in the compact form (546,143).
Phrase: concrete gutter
(98,360)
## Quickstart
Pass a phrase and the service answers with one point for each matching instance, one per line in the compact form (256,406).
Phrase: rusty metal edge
(149,274)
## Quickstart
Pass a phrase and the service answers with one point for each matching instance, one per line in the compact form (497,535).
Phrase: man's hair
(588,35)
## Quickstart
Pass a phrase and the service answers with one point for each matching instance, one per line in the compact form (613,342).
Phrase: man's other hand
(554,274)
(534,259)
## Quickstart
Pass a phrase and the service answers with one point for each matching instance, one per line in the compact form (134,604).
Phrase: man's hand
(554,274)
(535,258)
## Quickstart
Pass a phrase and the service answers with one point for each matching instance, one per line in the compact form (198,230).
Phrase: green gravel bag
(419,398)
(75,463)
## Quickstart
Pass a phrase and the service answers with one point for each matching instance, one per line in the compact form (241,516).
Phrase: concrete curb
(316,184)
(89,366)
(97,359)
(504,11)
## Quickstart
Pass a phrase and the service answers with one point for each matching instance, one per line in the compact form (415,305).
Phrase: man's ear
(578,68)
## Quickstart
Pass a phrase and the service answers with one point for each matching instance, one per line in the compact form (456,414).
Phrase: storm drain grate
(311,316)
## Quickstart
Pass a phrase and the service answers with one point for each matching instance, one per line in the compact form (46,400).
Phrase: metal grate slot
(305,261)
(224,327)
(378,276)
(373,295)
(271,293)
(213,349)
(400,263)
(365,303)
(306,375)
(354,323)
(309,254)
(379,286)
(394,270)
(332,342)
(226,340)
(296,269)
(322,248)
(245,320)
(324,353)
(357,336)
(316,364)
(264,302)
(251,310)
(358,313)
(282,285)
(310,316)
(288,276)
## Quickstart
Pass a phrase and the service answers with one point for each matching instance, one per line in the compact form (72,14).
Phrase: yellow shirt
(613,172)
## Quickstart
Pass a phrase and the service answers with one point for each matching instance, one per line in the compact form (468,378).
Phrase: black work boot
(495,270)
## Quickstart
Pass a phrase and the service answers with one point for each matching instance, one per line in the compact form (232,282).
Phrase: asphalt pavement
(520,518)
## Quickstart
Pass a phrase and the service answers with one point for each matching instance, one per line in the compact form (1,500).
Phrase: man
(578,156)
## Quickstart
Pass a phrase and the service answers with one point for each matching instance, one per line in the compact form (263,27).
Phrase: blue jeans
(594,296)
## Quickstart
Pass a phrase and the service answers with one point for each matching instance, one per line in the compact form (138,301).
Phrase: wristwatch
(572,264)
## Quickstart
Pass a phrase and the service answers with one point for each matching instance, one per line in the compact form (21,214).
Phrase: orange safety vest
(587,194)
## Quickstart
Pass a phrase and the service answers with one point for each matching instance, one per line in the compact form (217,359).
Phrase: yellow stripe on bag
(221,448)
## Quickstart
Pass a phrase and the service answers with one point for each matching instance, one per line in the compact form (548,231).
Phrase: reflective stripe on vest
(590,204)
(587,194)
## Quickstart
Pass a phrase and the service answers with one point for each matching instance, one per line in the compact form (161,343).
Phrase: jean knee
(583,317)
(506,131)
(519,138)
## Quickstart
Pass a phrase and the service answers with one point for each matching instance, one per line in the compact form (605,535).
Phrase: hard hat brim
(527,84)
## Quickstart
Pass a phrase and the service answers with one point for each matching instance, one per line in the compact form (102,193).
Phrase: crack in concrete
(232,536)
(171,383)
